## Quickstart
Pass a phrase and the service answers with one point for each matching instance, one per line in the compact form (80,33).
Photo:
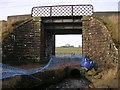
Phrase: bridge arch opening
(68,44)
(52,26)
(60,19)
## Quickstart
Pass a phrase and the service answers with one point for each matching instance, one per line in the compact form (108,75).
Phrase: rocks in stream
(72,83)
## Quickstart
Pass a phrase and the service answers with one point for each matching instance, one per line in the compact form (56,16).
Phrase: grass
(61,50)
(111,22)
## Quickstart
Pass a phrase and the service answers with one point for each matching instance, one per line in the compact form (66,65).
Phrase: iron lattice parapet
(62,10)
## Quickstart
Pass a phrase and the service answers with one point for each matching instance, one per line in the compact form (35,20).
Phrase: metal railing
(62,10)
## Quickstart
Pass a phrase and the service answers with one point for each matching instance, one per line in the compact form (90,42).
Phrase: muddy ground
(104,78)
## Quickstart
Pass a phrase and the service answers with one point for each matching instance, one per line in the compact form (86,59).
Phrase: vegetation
(72,50)
(111,22)
(10,27)
(17,23)
(7,32)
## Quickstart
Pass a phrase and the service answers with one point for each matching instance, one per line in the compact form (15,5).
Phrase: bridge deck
(63,25)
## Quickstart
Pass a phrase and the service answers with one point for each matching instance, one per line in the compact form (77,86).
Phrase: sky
(17,7)
(73,40)
(20,7)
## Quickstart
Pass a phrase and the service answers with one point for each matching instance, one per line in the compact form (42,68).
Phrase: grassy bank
(110,20)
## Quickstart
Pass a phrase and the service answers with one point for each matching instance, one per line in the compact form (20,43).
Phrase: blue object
(87,63)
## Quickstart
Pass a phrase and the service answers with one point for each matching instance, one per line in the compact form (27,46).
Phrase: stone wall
(47,44)
(23,44)
(97,43)
(27,43)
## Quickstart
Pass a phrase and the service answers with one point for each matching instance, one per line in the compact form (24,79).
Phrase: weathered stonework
(97,43)
(30,43)
(23,44)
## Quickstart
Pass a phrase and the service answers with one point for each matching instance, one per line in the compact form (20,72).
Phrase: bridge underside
(62,25)
(52,26)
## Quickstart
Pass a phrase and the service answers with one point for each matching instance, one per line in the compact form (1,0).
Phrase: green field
(61,50)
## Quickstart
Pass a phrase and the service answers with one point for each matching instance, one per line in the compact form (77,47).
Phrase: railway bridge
(34,39)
